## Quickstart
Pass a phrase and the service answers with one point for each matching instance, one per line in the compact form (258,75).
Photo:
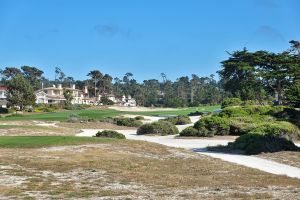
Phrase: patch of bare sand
(93,125)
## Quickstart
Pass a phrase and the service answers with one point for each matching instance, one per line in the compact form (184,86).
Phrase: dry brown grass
(132,170)
(286,157)
(29,128)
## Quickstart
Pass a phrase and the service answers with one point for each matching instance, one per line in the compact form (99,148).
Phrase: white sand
(199,146)
(47,124)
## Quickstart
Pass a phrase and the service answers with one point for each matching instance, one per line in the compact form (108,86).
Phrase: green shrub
(231,102)
(178,120)
(245,124)
(252,144)
(106,101)
(215,125)
(130,122)
(139,118)
(189,131)
(280,129)
(233,112)
(199,113)
(192,132)
(45,108)
(256,109)
(158,128)
(75,106)
(290,114)
(3,110)
(110,134)
(73,118)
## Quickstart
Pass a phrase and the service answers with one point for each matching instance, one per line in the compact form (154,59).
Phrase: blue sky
(145,37)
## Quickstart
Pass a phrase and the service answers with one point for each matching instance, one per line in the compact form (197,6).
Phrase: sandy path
(199,146)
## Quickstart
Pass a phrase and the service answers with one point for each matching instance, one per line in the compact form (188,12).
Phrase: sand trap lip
(199,146)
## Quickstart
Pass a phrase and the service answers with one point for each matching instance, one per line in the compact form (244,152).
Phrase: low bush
(280,129)
(3,110)
(110,134)
(289,114)
(158,128)
(130,122)
(252,144)
(189,131)
(192,132)
(45,108)
(76,106)
(106,101)
(199,113)
(73,118)
(245,124)
(215,125)
(231,102)
(233,112)
(139,118)
(178,120)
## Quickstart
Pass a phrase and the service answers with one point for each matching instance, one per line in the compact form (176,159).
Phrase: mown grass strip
(100,114)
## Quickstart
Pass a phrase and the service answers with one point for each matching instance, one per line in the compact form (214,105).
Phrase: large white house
(3,101)
(55,95)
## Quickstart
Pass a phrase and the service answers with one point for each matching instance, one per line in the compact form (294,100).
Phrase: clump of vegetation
(199,113)
(106,101)
(124,121)
(215,125)
(280,129)
(233,112)
(178,120)
(139,118)
(158,128)
(3,110)
(75,106)
(110,134)
(189,131)
(45,108)
(231,102)
(252,144)
(289,114)
(74,118)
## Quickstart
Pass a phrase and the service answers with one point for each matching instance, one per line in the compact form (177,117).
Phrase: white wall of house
(2,94)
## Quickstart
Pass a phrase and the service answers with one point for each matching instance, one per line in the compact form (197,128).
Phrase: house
(3,101)
(55,95)
(110,97)
(129,102)
(41,97)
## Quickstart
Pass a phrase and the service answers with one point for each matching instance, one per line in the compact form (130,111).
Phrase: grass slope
(100,114)
(46,141)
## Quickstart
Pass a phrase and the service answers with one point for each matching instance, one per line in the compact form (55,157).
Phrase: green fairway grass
(64,115)
(180,111)
(46,141)
(100,114)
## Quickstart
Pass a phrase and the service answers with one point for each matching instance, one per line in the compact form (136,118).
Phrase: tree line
(258,76)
